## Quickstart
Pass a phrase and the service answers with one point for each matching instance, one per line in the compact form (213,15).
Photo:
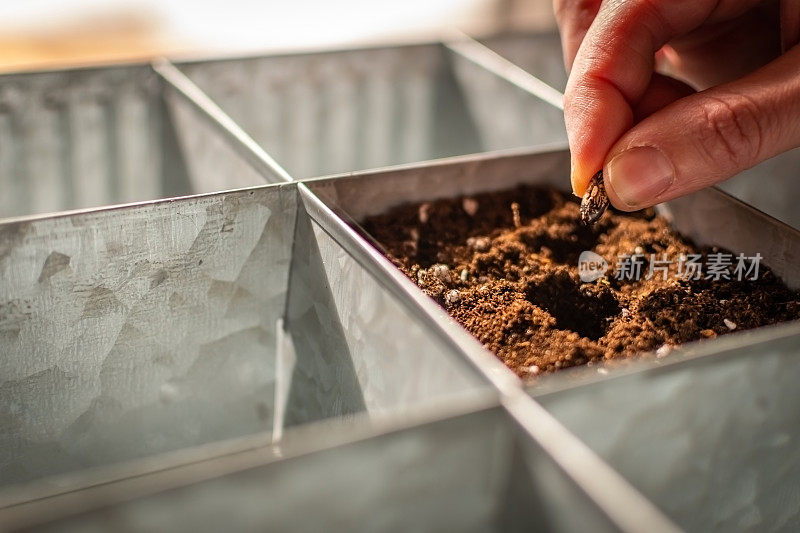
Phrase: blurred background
(55,33)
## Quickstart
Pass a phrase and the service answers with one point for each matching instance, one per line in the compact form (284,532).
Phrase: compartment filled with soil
(506,266)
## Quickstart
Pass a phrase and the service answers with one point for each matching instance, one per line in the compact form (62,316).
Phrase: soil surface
(505,265)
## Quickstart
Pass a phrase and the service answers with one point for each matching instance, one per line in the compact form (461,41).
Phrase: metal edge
(77,67)
(486,58)
(184,57)
(239,455)
(129,205)
(47,487)
(190,59)
(238,139)
(558,146)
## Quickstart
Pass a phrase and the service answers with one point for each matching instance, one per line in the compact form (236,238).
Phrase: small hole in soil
(585,312)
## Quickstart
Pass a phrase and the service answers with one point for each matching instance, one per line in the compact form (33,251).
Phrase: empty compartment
(708,217)
(472,472)
(711,440)
(145,329)
(341,111)
(92,137)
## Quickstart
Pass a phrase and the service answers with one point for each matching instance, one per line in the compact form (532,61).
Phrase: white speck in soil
(452,297)
(424,213)
(441,271)
(480,244)
(470,206)
(730,324)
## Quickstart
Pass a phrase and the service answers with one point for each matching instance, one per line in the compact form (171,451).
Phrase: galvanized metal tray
(249,354)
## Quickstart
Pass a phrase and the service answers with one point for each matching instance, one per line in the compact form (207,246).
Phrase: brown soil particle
(505,265)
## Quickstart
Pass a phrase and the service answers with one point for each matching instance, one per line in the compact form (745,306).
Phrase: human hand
(654,136)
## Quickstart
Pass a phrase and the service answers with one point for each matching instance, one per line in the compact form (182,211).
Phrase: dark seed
(595,201)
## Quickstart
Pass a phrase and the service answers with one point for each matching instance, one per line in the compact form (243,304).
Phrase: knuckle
(729,130)
(650,10)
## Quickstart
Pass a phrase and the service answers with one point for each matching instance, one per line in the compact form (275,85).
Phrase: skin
(712,86)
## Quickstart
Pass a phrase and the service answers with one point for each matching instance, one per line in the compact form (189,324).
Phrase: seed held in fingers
(595,201)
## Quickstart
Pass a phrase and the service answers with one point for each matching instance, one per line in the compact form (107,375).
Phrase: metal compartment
(93,137)
(471,470)
(138,330)
(322,113)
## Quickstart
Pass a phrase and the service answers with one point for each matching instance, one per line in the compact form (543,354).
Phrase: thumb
(707,137)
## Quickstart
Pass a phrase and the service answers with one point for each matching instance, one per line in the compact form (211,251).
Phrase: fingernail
(574,177)
(638,176)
